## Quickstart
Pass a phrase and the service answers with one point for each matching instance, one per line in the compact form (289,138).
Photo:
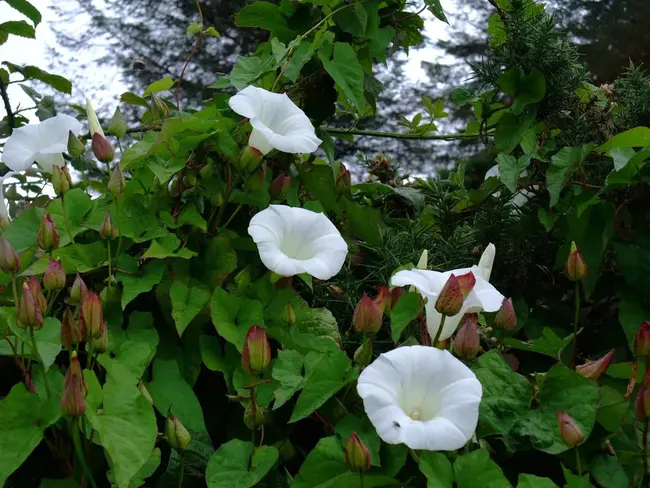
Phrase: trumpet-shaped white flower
(43,142)
(483,297)
(520,198)
(295,240)
(422,397)
(277,122)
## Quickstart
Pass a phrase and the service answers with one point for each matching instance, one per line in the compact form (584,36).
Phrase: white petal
(428,283)
(93,122)
(19,150)
(434,319)
(438,434)
(493,171)
(486,262)
(53,133)
(259,139)
(47,161)
(423,262)
(4,211)
(488,296)
(295,240)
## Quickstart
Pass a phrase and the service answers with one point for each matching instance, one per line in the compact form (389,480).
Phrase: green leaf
(637,137)
(132,99)
(549,343)
(319,181)
(238,464)
(621,156)
(188,296)
(79,258)
(437,468)
(18,28)
(612,408)
(61,483)
(170,391)
(147,470)
(78,206)
(631,314)
(531,481)
(510,168)
(510,81)
(318,322)
(48,341)
(325,375)
(22,231)
(126,428)
(436,10)
(345,69)
(220,260)
(24,419)
(301,55)
(287,369)
(193,29)
(562,390)
(393,458)
(32,72)
(608,471)
(366,432)
(136,284)
(563,164)
(364,222)
(223,311)
(167,247)
(506,394)
(477,470)
(533,87)
(138,346)
(194,461)
(575,481)
(265,15)
(212,32)
(159,86)
(510,131)
(27,9)
(403,313)
(248,69)
(353,20)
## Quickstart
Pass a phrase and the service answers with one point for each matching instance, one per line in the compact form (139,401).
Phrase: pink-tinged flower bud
(107,230)
(466,282)
(256,354)
(72,331)
(100,344)
(37,292)
(367,316)
(92,314)
(61,180)
(383,299)
(288,315)
(253,416)
(363,354)
(159,107)
(250,158)
(116,183)
(569,430)
(73,403)
(357,456)
(451,298)
(102,148)
(177,435)
(468,343)
(506,318)
(642,341)
(642,403)
(257,179)
(75,147)
(280,186)
(48,235)
(575,267)
(78,290)
(9,260)
(344,179)
(595,369)
(29,313)
(395,295)
(54,278)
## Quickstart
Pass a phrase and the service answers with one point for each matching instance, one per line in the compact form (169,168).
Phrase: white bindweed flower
(277,122)
(483,297)
(4,211)
(295,240)
(43,142)
(520,198)
(421,396)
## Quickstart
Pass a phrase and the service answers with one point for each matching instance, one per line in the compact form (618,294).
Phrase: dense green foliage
(168,400)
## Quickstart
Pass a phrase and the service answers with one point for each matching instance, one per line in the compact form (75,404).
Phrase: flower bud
(158,107)
(451,297)
(395,295)
(569,430)
(466,282)
(61,180)
(177,435)
(9,260)
(117,127)
(575,267)
(487,261)
(107,230)
(48,235)
(280,186)
(344,179)
(595,369)
(363,354)
(256,354)
(92,314)
(4,221)
(250,158)
(117,182)
(75,147)
(288,315)
(100,344)
(102,148)
(642,341)
(93,122)
(642,403)
(37,292)
(423,262)
(357,456)
(29,313)
(54,278)
(73,403)
(367,316)
(468,343)
(253,415)
(383,299)
(257,179)
(72,331)
(78,290)
(506,318)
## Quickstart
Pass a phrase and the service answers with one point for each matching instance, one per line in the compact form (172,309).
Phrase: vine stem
(189,58)
(11,120)
(110,266)
(578,461)
(65,219)
(646,477)
(234,214)
(576,319)
(437,338)
(76,441)
(182,475)
(360,479)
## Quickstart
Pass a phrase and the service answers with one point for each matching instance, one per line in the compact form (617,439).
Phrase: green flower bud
(48,235)
(54,278)
(118,126)
(177,435)
(61,180)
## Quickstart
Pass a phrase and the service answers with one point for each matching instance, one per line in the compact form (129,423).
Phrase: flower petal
(4,211)
(487,261)
(488,296)
(260,140)
(428,283)
(47,161)
(19,150)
